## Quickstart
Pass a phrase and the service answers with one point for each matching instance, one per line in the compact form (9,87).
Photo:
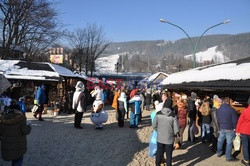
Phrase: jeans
(134,119)
(179,139)
(229,136)
(245,145)
(17,162)
(191,136)
(168,148)
(205,130)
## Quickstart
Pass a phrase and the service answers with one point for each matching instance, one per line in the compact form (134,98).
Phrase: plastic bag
(35,108)
(236,143)
(152,144)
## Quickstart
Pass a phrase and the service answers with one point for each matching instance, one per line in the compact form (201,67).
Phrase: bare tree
(89,43)
(30,24)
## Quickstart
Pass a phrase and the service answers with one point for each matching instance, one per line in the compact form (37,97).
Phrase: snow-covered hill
(209,55)
(107,64)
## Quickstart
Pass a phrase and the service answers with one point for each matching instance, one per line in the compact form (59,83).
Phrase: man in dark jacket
(13,131)
(167,101)
(192,111)
(167,127)
(227,120)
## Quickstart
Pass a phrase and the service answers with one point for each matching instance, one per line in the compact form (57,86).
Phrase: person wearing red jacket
(243,130)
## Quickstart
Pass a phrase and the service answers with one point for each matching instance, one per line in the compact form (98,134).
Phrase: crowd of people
(171,114)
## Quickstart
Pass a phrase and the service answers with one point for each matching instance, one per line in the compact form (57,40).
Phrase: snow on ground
(209,55)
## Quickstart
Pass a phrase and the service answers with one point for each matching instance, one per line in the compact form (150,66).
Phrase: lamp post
(194,47)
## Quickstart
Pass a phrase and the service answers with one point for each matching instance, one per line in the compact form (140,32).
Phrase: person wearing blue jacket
(41,99)
(135,104)
(227,120)
(21,104)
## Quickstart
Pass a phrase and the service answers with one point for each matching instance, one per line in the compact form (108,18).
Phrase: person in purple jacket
(227,120)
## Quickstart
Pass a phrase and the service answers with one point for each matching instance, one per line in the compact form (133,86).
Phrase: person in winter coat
(191,108)
(135,104)
(115,100)
(167,127)
(122,109)
(214,122)
(142,96)
(227,120)
(153,138)
(205,111)
(40,99)
(98,114)
(243,130)
(148,99)
(21,104)
(13,131)
(182,121)
(78,104)
(167,100)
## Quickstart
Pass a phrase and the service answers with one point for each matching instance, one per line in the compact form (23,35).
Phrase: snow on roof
(107,64)
(11,67)
(62,70)
(152,77)
(226,71)
(16,69)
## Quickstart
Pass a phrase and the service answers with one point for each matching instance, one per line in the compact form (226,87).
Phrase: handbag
(35,108)
(195,129)
(236,143)
(152,148)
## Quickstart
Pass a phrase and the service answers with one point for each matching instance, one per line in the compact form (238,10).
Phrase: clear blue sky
(130,20)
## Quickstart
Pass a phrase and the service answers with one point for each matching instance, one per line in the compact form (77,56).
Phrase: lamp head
(162,20)
(227,21)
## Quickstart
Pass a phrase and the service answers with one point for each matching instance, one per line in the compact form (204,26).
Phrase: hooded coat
(78,93)
(122,102)
(13,131)
(135,103)
(166,126)
(40,95)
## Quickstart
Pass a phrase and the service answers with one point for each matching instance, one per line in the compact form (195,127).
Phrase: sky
(135,20)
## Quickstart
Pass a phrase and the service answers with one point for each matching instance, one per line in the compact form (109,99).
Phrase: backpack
(81,99)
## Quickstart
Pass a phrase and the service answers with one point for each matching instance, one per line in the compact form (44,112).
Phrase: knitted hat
(193,95)
(215,97)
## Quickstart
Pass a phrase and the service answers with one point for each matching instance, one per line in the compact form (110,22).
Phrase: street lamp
(194,47)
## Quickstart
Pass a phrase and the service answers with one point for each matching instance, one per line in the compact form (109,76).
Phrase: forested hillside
(159,53)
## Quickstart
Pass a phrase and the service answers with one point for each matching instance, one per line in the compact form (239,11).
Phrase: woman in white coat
(78,104)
